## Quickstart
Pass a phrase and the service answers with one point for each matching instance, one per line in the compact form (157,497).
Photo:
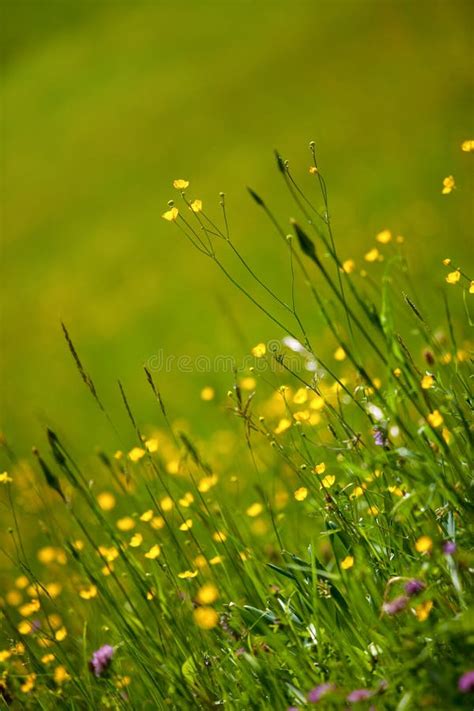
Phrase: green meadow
(236,355)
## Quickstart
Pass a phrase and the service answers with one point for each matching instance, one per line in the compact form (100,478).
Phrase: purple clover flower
(396,605)
(358,695)
(100,660)
(379,437)
(466,682)
(449,548)
(413,587)
(319,691)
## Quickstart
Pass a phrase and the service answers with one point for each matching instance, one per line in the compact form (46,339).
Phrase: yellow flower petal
(206,617)
(259,350)
(196,205)
(254,509)
(301,493)
(453,277)
(424,544)
(384,237)
(106,501)
(435,418)
(347,563)
(207,594)
(180,184)
(154,552)
(171,215)
(372,255)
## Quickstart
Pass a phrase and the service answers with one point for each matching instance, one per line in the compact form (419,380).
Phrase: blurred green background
(105,103)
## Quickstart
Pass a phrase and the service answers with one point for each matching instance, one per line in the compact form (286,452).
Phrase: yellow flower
(216,560)
(186,500)
(320,468)
(205,617)
(372,255)
(446,435)
(4,655)
(171,215)
(259,350)
(435,418)
(397,372)
(453,277)
(157,522)
(207,482)
(166,503)
(358,491)
(147,516)
(328,481)
(283,425)
(423,610)
(196,205)
(384,237)
(208,393)
(60,675)
(22,582)
(254,509)
(200,562)
(47,658)
(340,354)
(348,266)
(313,170)
(317,403)
(424,544)
(207,594)
(467,146)
(395,490)
(136,540)
(110,554)
(448,185)
(347,563)
(446,262)
(373,510)
(30,608)
(29,684)
(46,555)
(14,597)
(136,454)
(118,454)
(301,493)
(151,445)
(187,574)
(154,552)
(88,593)
(180,184)
(427,382)
(106,501)
(301,415)
(25,627)
(61,634)
(4,478)
(125,524)
(248,383)
(219,537)
(186,525)
(471,287)
(300,396)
